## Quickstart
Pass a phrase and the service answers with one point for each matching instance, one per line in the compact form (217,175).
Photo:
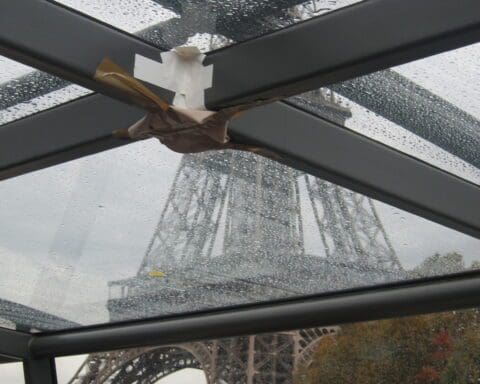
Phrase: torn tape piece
(181,71)
(191,131)
(184,131)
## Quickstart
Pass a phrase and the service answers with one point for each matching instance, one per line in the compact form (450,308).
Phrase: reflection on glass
(25,91)
(141,231)
(208,24)
(428,109)
(11,373)
(429,349)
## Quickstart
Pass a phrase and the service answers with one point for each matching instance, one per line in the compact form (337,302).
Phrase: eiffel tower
(232,231)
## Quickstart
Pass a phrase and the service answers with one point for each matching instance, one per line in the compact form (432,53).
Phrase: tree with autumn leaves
(431,349)
(439,348)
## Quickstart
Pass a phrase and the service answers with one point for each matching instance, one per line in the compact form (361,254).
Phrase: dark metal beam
(408,298)
(349,159)
(344,44)
(414,108)
(66,44)
(392,32)
(40,371)
(64,133)
(355,40)
(303,140)
(14,344)
(244,21)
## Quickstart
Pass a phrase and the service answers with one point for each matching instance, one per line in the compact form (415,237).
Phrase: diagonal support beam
(355,40)
(67,132)
(352,41)
(303,140)
(66,44)
(351,160)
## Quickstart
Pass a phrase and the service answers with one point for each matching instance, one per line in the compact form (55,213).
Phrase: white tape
(181,71)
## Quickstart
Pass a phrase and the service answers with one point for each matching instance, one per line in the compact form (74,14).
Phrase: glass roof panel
(140,231)
(429,109)
(208,24)
(25,91)
(433,348)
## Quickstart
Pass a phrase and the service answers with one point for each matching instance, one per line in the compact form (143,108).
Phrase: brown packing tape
(114,76)
(181,130)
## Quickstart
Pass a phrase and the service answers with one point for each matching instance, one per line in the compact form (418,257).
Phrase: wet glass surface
(140,231)
(208,24)
(25,91)
(428,109)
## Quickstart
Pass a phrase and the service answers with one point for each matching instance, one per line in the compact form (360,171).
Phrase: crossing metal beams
(347,43)
(356,40)
(367,37)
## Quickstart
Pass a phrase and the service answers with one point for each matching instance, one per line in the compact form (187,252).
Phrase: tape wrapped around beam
(183,130)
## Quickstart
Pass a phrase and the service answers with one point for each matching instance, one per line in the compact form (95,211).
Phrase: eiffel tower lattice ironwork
(232,231)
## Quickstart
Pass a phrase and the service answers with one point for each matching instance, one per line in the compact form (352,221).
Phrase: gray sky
(67,366)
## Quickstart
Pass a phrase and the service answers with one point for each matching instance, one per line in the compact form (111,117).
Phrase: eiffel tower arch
(269,358)
(232,232)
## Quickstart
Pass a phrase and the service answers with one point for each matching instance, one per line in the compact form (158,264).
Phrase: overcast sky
(66,231)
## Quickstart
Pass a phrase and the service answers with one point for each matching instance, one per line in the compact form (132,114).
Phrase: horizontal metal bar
(66,44)
(14,344)
(64,133)
(410,298)
(351,160)
(344,44)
